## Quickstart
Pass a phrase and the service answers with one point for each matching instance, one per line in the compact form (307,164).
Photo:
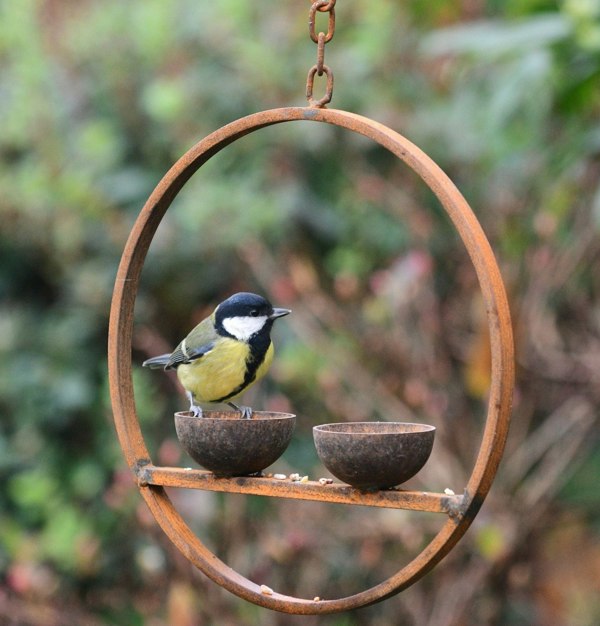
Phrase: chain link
(323,6)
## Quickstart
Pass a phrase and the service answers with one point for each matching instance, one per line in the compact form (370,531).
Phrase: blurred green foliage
(98,99)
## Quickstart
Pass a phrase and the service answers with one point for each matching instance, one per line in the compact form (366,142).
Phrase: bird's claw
(195,410)
(245,411)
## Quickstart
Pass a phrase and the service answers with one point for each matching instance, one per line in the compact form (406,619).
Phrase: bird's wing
(181,357)
(200,341)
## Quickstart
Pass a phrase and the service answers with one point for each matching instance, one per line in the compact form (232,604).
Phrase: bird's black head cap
(243,304)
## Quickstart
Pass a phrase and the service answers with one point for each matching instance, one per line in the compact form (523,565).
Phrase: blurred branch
(544,461)
(363,393)
(546,354)
(572,420)
(563,455)
(319,310)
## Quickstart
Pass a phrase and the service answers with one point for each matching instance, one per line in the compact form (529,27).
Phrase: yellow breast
(221,371)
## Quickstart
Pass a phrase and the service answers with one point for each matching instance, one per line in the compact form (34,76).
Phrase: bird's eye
(254,313)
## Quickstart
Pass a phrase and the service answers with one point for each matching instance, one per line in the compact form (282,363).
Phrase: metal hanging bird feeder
(459,510)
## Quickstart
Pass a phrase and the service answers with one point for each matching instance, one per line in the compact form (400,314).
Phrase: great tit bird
(226,353)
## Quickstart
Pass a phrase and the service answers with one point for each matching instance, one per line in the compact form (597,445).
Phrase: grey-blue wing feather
(157,362)
(179,357)
(200,341)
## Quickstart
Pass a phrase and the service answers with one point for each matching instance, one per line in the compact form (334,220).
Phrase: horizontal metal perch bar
(452,505)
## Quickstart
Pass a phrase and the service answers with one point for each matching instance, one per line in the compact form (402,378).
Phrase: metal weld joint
(142,472)
(456,506)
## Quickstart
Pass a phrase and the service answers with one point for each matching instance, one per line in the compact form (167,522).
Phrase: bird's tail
(157,362)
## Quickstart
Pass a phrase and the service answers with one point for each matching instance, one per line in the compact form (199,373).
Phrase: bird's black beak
(279,313)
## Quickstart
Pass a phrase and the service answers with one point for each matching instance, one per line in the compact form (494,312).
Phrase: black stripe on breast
(258,349)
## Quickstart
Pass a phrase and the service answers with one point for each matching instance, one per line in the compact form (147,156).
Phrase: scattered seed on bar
(449,492)
(279,476)
(267,591)
(325,481)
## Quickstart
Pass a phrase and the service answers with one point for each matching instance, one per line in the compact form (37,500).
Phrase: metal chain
(323,6)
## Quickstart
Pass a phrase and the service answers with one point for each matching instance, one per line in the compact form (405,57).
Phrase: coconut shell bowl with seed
(227,445)
(374,455)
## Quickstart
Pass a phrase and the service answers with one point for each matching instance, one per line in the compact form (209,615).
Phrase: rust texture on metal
(120,370)
(320,39)
(312,490)
(323,6)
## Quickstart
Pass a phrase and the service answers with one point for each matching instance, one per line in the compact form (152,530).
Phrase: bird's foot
(246,411)
(194,408)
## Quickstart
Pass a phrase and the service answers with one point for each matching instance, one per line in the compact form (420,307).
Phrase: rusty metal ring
(492,288)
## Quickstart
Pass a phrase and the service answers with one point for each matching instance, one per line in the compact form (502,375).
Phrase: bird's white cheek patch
(243,328)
